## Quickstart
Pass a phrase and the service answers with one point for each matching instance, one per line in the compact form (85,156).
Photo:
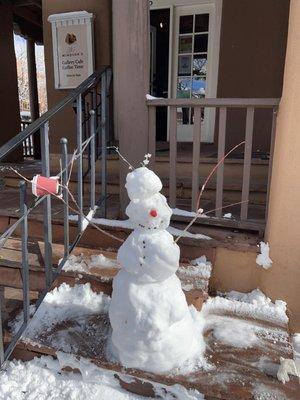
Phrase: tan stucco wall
(9,101)
(252,52)
(283,228)
(64,123)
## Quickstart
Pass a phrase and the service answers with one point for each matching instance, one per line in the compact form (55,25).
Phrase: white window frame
(215,7)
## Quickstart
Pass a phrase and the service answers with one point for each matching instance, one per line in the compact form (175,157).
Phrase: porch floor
(208,152)
(256,212)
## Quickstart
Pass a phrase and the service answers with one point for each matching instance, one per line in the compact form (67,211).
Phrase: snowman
(152,326)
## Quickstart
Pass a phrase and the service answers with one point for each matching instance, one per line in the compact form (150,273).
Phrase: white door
(192,74)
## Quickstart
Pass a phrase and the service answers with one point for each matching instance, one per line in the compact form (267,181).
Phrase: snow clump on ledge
(263,259)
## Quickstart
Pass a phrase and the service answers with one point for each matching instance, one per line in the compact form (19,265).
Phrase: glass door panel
(192,32)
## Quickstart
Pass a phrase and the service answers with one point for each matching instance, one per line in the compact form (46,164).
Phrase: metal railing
(28,145)
(222,105)
(92,122)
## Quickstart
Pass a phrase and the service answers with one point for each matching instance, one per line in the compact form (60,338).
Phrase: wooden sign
(73,51)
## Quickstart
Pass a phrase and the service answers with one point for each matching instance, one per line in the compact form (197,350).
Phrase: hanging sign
(73,52)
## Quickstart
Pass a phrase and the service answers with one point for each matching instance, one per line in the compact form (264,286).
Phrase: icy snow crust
(44,379)
(152,326)
(61,304)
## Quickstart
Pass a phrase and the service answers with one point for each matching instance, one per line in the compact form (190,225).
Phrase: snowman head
(150,214)
(148,209)
(142,183)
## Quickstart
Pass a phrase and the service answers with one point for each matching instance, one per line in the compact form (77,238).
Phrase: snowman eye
(153,213)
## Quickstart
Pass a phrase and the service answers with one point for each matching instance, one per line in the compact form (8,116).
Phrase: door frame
(215,7)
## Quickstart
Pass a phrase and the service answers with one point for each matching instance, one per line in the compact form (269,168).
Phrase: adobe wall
(251,64)
(64,123)
(283,233)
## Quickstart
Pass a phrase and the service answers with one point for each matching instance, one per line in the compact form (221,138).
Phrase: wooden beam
(28,15)
(217,102)
(22,3)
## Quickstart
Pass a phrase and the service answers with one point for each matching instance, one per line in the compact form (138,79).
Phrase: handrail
(196,120)
(17,140)
(92,99)
(215,102)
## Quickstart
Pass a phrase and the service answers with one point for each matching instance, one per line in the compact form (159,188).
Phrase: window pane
(201,23)
(200,44)
(199,65)
(184,88)
(186,24)
(198,87)
(184,65)
(185,44)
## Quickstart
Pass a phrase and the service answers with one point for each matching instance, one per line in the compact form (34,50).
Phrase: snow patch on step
(43,378)
(184,213)
(82,263)
(63,303)
(254,305)
(117,223)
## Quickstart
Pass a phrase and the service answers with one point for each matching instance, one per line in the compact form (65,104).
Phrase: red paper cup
(42,185)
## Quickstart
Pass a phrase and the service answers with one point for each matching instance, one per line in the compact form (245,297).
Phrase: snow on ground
(127,224)
(61,304)
(42,379)
(263,259)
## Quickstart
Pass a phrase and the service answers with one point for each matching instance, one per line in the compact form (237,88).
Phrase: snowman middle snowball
(152,327)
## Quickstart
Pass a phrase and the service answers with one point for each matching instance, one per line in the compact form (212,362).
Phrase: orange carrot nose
(153,213)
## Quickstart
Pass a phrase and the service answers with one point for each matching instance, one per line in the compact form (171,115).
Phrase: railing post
(152,135)
(247,163)
(44,132)
(24,235)
(79,162)
(173,156)
(1,338)
(65,194)
(221,153)
(272,145)
(92,159)
(196,157)
(103,143)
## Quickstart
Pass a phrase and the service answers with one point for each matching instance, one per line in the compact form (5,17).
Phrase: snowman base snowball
(152,326)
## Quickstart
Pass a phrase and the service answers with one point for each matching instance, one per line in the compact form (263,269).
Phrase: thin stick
(199,211)
(229,205)
(121,156)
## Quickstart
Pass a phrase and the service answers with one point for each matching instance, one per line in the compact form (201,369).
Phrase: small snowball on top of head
(142,182)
